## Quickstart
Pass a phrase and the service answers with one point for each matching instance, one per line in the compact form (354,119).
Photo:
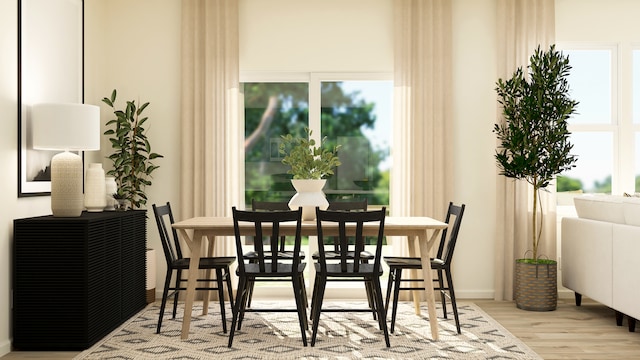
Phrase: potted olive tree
(310,166)
(534,146)
(131,157)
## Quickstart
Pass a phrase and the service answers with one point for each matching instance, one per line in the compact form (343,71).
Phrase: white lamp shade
(65,127)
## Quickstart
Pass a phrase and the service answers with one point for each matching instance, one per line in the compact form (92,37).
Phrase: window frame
(620,127)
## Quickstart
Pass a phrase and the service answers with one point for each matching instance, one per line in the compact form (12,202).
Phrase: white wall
(474,112)
(316,36)
(134,47)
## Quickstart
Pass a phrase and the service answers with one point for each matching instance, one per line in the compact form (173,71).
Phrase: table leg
(428,280)
(194,245)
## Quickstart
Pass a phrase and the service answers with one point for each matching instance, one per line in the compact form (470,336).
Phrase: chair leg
(250,293)
(397,277)
(313,297)
(163,304)
(321,284)
(220,283)
(370,298)
(453,299)
(227,275)
(304,291)
(236,312)
(175,295)
(441,288)
(377,292)
(302,310)
(389,288)
(243,300)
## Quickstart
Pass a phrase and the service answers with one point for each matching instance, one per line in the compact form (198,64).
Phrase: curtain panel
(209,110)
(422,152)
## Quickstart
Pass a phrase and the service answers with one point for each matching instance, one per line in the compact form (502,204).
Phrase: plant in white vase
(310,166)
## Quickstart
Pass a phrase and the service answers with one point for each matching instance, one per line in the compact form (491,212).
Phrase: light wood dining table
(416,229)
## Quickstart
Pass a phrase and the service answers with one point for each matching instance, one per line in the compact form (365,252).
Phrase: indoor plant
(132,156)
(534,141)
(308,161)
(310,166)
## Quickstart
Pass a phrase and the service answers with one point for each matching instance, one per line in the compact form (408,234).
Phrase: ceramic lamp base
(66,185)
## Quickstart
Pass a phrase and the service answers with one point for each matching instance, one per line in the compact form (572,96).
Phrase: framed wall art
(50,70)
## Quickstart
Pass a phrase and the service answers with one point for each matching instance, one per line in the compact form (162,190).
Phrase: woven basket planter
(536,286)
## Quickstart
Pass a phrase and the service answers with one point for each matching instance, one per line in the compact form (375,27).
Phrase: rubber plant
(533,140)
(132,157)
(308,161)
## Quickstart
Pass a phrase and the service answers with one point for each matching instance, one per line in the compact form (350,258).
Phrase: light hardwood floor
(588,332)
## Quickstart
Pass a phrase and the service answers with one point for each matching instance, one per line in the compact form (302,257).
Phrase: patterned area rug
(340,336)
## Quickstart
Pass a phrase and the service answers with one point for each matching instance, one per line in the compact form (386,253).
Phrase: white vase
(309,195)
(94,188)
(111,188)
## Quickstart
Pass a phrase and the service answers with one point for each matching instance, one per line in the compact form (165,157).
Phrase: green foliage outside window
(276,109)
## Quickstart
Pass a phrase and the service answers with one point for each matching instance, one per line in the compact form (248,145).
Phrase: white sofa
(601,253)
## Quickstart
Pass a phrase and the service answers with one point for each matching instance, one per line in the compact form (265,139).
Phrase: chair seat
(252,255)
(333,270)
(205,262)
(364,255)
(410,262)
(283,270)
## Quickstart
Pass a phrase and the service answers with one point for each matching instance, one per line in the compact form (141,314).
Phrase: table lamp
(68,127)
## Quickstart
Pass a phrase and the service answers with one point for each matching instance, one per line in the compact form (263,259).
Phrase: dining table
(421,232)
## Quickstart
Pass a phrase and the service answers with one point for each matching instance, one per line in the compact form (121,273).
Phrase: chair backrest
(350,224)
(269,205)
(450,235)
(168,235)
(350,205)
(272,206)
(266,224)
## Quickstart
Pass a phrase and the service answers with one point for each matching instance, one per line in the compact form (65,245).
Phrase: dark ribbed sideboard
(76,279)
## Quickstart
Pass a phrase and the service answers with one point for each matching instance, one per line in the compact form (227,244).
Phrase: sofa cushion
(608,208)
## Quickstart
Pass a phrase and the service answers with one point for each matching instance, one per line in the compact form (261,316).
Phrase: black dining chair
(268,265)
(176,263)
(282,251)
(348,268)
(441,263)
(365,256)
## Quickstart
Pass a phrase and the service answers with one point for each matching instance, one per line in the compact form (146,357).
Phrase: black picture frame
(50,69)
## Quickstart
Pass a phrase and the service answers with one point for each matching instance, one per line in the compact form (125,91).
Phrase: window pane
(271,110)
(590,84)
(356,115)
(594,166)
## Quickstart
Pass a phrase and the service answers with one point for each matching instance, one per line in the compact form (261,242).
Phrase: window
(596,125)
(349,111)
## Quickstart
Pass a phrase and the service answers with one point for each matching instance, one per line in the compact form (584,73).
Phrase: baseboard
(5,348)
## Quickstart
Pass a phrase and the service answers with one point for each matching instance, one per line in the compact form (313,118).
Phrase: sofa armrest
(587,258)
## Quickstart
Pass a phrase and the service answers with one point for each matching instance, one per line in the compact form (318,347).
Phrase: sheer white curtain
(422,153)
(209,111)
(522,26)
